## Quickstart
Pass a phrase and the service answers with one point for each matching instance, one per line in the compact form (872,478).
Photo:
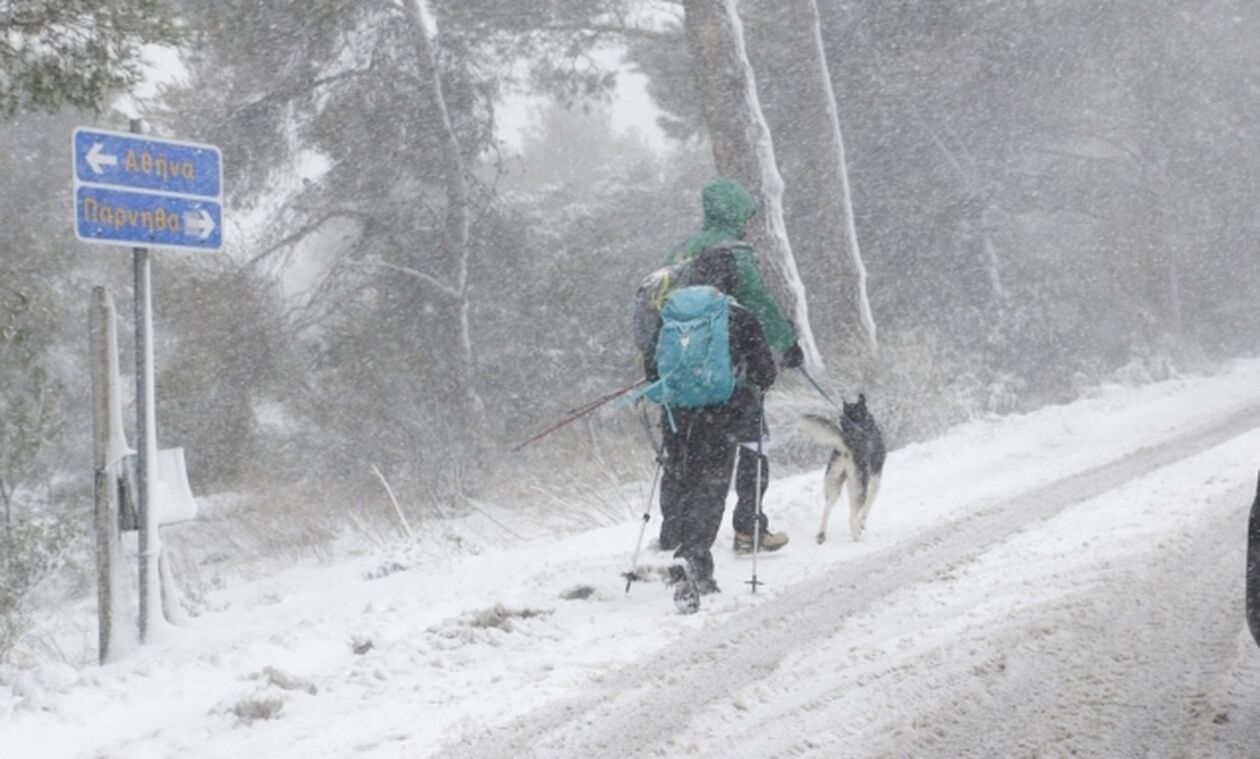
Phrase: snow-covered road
(1124,643)
(1126,655)
(1067,582)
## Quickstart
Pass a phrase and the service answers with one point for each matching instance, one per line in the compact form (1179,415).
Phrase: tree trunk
(8,510)
(802,107)
(742,146)
(457,221)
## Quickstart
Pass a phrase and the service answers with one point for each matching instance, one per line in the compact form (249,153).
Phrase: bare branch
(323,300)
(628,32)
(293,237)
(295,90)
(444,288)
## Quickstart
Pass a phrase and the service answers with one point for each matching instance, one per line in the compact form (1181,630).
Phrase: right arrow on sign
(198,223)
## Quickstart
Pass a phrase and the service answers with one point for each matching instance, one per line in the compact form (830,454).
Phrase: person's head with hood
(727,208)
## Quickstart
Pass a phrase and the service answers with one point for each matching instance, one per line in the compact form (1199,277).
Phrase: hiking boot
(707,586)
(770,541)
(686,590)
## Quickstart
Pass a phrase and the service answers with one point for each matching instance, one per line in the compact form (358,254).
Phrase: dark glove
(793,357)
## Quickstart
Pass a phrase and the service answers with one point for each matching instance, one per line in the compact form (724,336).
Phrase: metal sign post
(147,449)
(140,190)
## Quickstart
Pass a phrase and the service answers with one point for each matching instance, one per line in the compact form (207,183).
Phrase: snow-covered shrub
(254,708)
(1144,367)
(982,393)
(30,552)
(284,680)
(922,387)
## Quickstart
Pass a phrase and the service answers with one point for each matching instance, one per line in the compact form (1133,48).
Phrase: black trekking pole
(761,436)
(579,412)
(632,574)
(818,387)
(1252,587)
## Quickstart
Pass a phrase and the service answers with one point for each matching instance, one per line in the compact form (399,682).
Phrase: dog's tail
(823,431)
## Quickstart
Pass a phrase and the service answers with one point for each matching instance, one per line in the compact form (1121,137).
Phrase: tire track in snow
(639,708)
(1152,638)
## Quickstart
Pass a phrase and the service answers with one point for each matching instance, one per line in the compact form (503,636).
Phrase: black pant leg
(673,482)
(708,459)
(745,516)
(747,426)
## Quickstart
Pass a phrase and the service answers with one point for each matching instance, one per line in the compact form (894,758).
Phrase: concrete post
(108,449)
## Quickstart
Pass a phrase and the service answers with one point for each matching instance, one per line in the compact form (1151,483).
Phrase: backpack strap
(662,291)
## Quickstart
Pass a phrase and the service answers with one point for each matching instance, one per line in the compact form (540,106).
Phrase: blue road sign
(138,162)
(115,217)
(131,188)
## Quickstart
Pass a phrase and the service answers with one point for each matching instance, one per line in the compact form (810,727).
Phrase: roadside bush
(30,553)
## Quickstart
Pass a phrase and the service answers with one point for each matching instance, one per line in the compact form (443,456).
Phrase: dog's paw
(821,538)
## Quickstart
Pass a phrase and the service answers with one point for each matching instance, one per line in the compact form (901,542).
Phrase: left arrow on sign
(96,159)
(199,223)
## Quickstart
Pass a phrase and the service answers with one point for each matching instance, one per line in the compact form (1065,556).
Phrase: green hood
(727,209)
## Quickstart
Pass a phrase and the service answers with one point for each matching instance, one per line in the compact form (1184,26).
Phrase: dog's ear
(861,399)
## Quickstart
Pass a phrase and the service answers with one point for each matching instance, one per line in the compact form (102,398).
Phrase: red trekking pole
(579,412)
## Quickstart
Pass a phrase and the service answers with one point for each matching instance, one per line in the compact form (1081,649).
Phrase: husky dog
(857,457)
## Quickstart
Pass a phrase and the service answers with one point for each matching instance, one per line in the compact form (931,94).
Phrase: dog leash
(835,405)
(821,392)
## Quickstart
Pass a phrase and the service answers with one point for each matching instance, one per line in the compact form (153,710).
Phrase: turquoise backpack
(693,350)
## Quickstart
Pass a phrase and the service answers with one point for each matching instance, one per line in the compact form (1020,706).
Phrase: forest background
(1039,197)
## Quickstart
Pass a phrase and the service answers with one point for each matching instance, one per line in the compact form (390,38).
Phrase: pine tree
(75,53)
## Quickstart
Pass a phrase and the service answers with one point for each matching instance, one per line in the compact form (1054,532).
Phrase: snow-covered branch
(429,279)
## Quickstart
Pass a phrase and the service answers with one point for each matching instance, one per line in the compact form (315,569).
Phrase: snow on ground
(1051,626)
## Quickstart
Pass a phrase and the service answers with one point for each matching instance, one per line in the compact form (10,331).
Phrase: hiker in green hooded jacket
(727,209)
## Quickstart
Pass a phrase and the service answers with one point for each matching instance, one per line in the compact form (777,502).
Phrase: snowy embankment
(1043,582)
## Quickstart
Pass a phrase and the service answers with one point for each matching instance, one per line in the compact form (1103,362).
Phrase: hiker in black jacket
(728,207)
(700,443)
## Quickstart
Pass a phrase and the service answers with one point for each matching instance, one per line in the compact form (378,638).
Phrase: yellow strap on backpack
(662,293)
